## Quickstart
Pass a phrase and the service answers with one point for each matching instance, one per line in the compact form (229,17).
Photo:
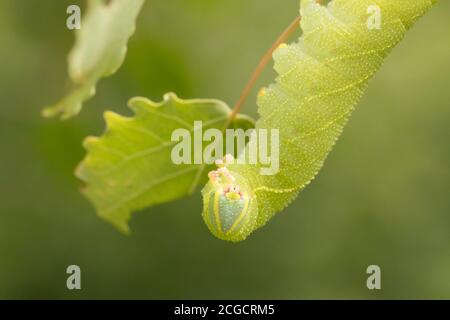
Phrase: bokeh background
(382,197)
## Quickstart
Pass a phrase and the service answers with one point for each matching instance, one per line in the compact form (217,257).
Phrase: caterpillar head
(229,205)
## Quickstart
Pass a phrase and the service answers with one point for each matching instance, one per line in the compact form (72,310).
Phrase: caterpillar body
(320,80)
(230,206)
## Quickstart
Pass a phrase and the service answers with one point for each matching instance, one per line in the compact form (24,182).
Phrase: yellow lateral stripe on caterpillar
(241,216)
(264,188)
(216,210)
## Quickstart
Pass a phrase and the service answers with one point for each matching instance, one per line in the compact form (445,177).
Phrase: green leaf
(321,79)
(130,167)
(99,50)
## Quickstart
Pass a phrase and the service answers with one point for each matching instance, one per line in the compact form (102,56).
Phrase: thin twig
(262,64)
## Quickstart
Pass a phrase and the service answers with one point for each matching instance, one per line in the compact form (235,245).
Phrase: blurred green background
(382,197)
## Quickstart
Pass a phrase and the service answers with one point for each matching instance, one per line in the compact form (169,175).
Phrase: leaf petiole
(261,66)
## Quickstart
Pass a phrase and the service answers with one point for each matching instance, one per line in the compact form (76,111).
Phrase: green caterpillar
(230,205)
(321,79)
